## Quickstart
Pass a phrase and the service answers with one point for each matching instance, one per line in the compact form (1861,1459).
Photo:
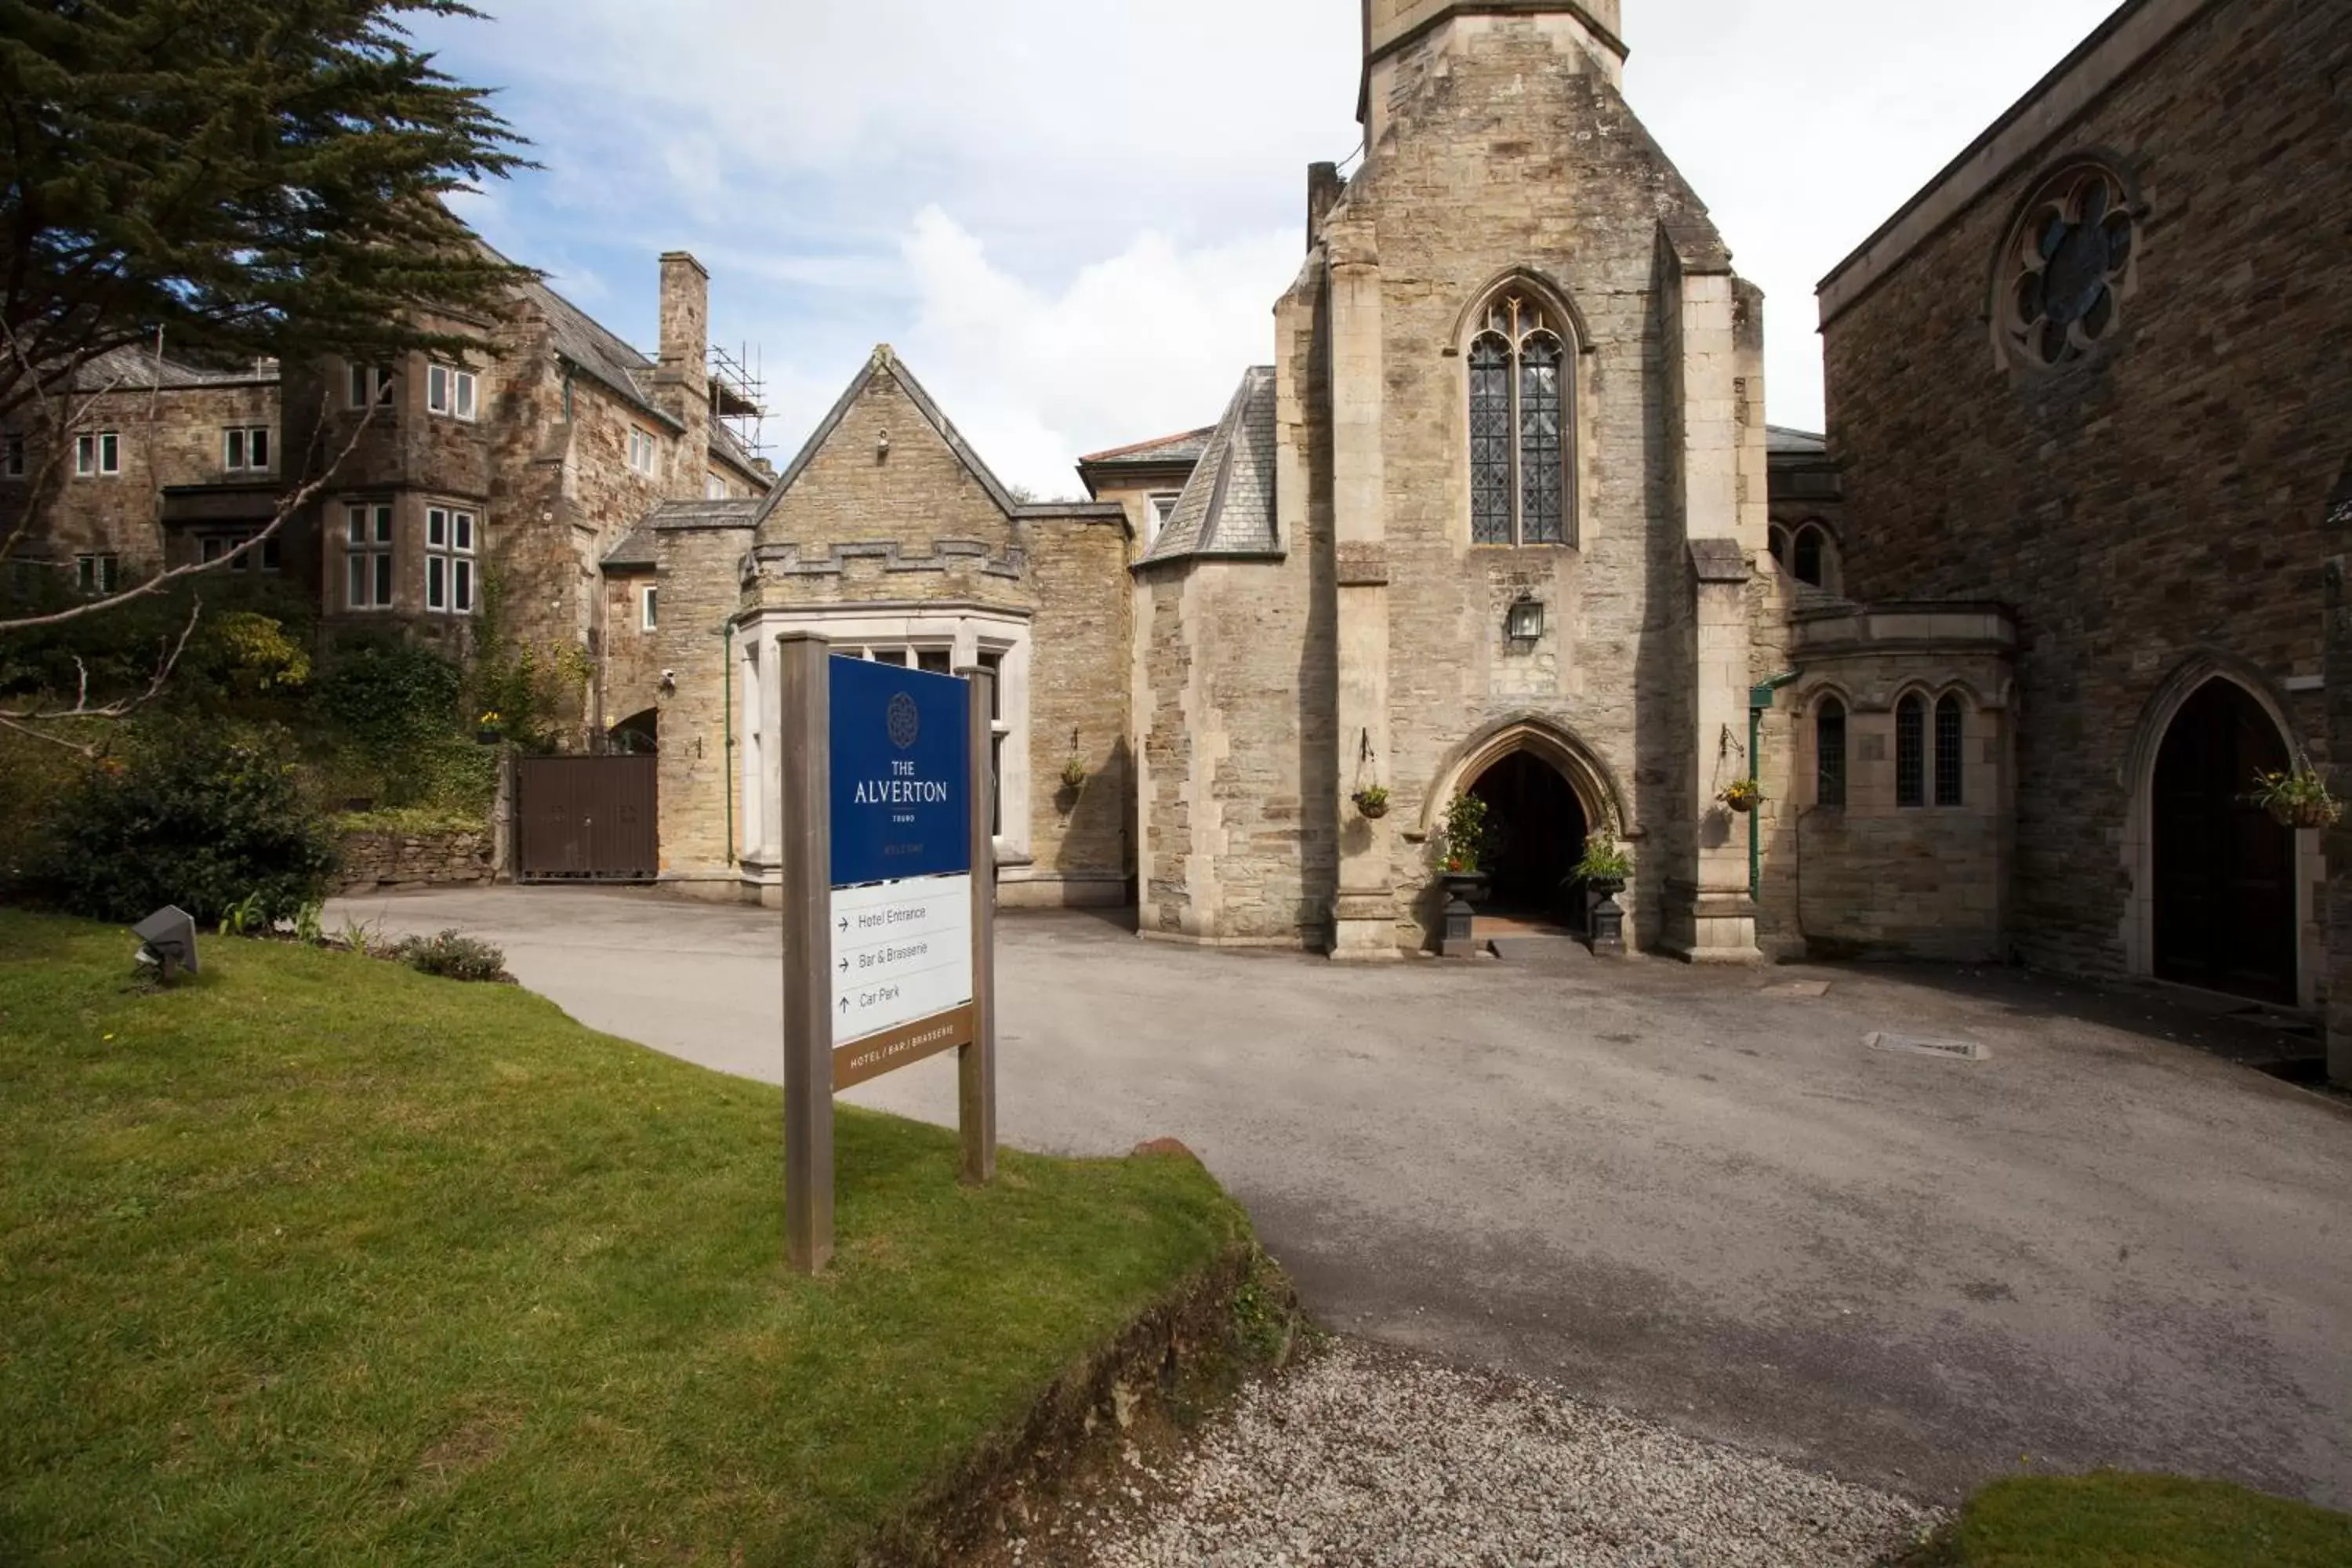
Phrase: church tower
(1488,526)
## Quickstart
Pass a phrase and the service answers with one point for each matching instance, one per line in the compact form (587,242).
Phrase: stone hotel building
(1502,513)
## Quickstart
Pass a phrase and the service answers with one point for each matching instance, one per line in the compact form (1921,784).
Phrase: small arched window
(1911,751)
(1949,753)
(1806,553)
(1521,407)
(1828,754)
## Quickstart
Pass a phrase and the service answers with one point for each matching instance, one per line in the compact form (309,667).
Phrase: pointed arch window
(1911,751)
(1949,754)
(1521,406)
(1828,754)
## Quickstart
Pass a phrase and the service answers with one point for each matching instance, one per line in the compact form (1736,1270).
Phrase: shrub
(199,815)
(453,955)
(389,697)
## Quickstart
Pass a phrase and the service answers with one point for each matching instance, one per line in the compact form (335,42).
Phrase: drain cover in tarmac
(1913,1045)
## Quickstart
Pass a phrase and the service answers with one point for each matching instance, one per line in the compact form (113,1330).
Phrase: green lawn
(312,1259)
(2111,1520)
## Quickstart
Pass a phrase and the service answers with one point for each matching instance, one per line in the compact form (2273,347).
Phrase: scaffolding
(739,395)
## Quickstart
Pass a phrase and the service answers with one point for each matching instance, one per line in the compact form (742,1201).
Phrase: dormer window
(1520,406)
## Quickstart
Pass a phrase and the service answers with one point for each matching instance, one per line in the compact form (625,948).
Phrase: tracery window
(2065,267)
(1948,752)
(1521,447)
(1828,754)
(1911,751)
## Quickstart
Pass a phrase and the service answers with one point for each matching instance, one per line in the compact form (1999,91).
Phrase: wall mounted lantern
(1526,621)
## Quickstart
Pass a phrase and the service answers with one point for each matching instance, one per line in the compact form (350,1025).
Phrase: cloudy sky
(1072,217)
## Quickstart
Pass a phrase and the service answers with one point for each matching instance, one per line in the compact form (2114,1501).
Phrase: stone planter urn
(1463,889)
(1607,916)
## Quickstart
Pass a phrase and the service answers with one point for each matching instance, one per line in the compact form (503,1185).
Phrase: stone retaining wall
(375,861)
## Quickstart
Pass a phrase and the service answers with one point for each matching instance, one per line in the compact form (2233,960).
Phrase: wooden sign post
(889,903)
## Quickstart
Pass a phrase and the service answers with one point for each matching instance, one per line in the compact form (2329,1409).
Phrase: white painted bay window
(450,539)
(940,640)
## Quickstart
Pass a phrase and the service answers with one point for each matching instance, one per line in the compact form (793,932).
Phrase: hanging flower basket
(2307,813)
(1372,802)
(1074,775)
(1742,794)
(2298,798)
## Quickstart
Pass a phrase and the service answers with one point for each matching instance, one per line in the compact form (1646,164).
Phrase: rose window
(2065,267)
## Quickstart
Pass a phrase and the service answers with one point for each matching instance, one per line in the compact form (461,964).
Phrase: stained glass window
(1521,441)
(1539,443)
(1949,755)
(1490,441)
(1911,751)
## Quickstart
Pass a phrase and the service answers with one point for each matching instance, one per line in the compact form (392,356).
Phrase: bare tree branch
(25,720)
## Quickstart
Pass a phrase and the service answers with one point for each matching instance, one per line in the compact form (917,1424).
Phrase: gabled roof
(140,368)
(1227,506)
(601,355)
(884,359)
(1183,448)
(596,350)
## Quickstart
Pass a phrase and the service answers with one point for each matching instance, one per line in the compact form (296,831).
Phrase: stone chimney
(1324,189)
(685,327)
(682,383)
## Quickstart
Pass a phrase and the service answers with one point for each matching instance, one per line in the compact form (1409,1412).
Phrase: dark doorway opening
(2224,871)
(638,735)
(1538,825)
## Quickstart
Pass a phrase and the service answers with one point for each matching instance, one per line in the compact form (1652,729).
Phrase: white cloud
(1147,342)
(1125,178)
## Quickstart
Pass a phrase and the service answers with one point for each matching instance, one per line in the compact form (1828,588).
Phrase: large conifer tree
(246,177)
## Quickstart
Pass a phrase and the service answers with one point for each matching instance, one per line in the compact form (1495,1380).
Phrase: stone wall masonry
(1079,846)
(1515,156)
(853,493)
(372,862)
(170,438)
(701,799)
(2164,500)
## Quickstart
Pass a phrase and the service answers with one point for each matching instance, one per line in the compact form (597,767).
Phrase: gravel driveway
(1370,1457)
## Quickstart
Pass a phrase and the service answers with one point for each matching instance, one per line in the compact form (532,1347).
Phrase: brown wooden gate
(585,819)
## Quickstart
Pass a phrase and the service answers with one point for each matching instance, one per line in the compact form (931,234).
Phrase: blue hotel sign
(901,773)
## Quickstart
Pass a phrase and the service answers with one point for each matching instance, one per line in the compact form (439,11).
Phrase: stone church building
(1503,514)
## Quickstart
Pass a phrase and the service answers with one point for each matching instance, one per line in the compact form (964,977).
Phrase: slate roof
(601,355)
(133,366)
(884,358)
(638,549)
(1783,441)
(1185,448)
(1227,508)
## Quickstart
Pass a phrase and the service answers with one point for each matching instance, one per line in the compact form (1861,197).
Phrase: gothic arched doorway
(1539,826)
(2223,870)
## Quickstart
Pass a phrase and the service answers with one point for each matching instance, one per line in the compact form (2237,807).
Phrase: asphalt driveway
(1694,1194)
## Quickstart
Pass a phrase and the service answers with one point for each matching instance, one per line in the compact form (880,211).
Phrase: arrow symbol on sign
(844,1003)
(845,926)
(845,967)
